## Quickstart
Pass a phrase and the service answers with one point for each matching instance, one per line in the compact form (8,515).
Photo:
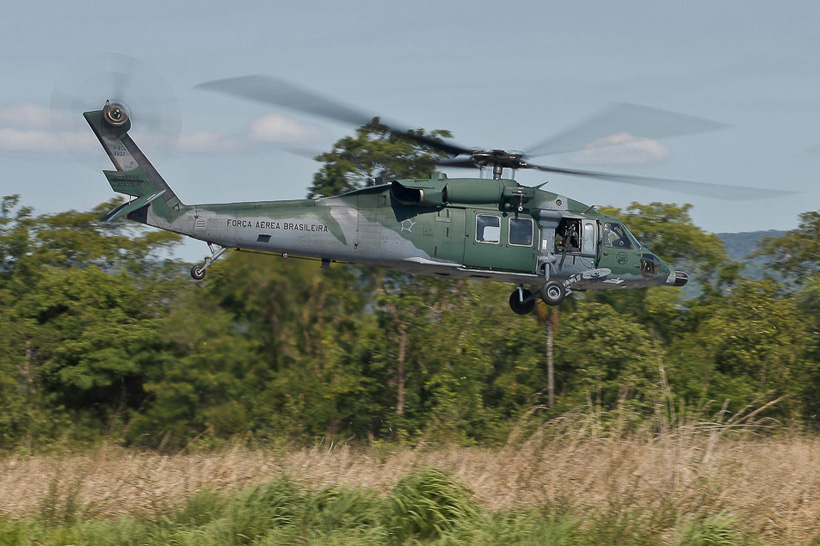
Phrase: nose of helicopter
(678,278)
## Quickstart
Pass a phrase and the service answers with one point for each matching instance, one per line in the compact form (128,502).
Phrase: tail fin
(134,174)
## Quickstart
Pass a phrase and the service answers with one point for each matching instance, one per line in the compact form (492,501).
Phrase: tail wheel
(522,303)
(198,272)
(553,293)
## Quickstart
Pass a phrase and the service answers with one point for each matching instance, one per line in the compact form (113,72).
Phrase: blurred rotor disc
(87,84)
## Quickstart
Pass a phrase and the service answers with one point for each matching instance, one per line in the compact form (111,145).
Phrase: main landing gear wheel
(522,301)
(553,293)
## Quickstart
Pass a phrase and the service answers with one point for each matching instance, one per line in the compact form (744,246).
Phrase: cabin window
(487,228)
(615,236)
(521,231)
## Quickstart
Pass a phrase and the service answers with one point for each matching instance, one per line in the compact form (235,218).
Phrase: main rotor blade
(623,118)
(278,92)
(717,191)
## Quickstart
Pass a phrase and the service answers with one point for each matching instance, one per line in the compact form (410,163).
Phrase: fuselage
(419,226)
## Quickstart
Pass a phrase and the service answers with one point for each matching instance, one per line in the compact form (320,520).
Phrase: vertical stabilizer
(134,175)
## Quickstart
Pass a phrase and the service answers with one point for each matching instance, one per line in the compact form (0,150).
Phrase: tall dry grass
(769,483)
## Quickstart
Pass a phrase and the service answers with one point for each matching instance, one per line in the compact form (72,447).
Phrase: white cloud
(27,127)
(208,142)
(31,128)
(26,115)
(621,149)
(25,140)
(279,129)
(22,140)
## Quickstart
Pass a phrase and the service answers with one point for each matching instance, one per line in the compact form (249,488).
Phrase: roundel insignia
(621,258)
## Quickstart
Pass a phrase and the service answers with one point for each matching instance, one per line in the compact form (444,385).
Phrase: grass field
(696,484)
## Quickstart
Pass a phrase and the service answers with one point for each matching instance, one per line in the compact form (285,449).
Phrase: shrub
(428,504)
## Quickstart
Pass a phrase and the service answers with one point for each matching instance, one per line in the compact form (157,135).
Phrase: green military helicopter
(546,244)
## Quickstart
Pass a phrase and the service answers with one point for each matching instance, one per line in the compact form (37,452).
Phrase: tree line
(106,338)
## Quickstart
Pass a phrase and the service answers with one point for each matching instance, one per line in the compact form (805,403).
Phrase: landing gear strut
(523,301)
(198,271)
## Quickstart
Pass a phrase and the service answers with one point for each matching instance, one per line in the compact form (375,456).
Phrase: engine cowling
(469,191)
(422,196)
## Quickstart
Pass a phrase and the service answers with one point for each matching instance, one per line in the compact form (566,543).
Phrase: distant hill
(740,245)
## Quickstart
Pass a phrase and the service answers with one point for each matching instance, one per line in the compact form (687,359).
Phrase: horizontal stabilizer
(127,208)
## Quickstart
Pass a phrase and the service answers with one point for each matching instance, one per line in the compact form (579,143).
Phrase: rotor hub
(115,114)
(500,158)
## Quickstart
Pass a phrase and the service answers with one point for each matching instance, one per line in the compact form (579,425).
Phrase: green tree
(808,300)
(303,321)
(605,357)
(797,253)
(435,367)
(374,152)
(81,300)
(203,384)
(17,383)
(751,350)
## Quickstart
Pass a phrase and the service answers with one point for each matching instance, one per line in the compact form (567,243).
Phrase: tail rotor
(125,86)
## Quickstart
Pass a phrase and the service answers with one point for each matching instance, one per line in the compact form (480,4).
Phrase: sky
(498,75)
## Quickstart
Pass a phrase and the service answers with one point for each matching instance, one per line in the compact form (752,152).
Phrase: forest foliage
(106,338)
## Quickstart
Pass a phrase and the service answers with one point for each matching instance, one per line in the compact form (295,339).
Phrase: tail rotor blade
(88,83)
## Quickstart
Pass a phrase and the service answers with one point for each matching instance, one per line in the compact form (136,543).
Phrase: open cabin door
(575,246)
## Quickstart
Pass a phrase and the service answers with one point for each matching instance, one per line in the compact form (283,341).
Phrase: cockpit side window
(615,236)
(589,237)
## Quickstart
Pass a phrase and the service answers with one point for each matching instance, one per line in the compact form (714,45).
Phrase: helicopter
(545,244)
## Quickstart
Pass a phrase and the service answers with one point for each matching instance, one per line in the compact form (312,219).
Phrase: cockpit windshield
(617,236)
